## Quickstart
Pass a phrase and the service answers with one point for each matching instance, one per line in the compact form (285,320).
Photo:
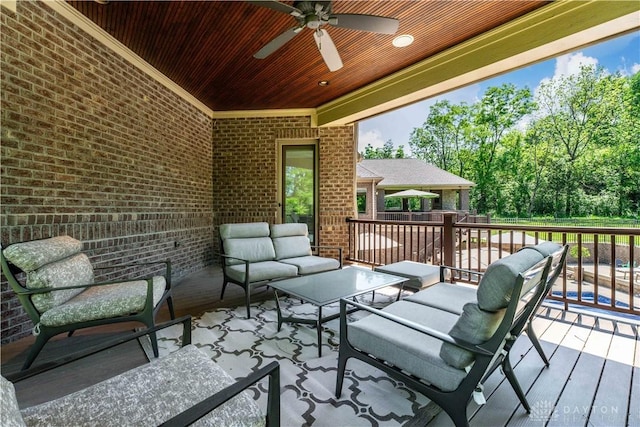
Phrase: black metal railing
(602,269)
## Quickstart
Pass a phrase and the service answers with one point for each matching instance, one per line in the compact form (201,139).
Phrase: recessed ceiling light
(323,83)
(403,40)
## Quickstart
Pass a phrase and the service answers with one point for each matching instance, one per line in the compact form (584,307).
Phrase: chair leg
(170,305)
(248,301)
(536,343)
(154,343)
(224,286)
(41,340)
(508,372)
(342,364)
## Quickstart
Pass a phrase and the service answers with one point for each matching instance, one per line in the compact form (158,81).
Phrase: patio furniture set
(444,340)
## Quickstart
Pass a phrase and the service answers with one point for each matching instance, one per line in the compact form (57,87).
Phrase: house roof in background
(410,173)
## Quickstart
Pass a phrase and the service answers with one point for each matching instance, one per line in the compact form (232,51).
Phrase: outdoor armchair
(178,389)
(60,295)
(443,355)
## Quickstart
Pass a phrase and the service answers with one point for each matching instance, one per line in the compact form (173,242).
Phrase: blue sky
(619,54)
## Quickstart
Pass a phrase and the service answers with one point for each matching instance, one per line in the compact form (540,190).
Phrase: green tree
(386,152)
(497,113)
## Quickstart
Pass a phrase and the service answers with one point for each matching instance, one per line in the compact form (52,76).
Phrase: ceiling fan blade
(373,23)
(328,50)
(277,43)
(276,5)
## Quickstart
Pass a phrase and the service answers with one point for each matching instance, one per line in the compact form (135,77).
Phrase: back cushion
(494,290)
(287,230)
(475,326)
(254,249)
(29,256)
(72,271)
(244,230)
(291,247)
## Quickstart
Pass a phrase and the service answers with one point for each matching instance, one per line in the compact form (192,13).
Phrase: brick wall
(94,148)
(245,172)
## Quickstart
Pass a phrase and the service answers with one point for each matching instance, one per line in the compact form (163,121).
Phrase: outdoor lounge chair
(452,297)
(443,355)
(175,390)
(60,294)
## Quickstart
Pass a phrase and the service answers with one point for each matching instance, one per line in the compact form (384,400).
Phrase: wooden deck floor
(593,379)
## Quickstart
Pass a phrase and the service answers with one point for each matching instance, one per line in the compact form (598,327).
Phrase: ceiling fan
(316,15)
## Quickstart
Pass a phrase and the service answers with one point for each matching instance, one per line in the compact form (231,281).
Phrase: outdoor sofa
(443,354)
(179,389)
(253,254)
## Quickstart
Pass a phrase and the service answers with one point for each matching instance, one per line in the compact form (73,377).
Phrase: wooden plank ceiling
(207,47)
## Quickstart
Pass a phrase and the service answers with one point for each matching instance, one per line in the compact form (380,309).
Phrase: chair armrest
(272,370)
(335,248)
(186,339)
(35,291)
(444,268)
(415,326)
(167,271)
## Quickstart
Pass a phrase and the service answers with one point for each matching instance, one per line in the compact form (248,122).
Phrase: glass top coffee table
(328,287)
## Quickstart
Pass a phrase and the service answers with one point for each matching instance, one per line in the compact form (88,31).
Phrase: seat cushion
(446,296)
(252,249)
(494,289)
(150,395)
(475,326)
(261,271)
(72,271)
(406,348)
(312,264)
(103,302)
(29,256)
(421,275)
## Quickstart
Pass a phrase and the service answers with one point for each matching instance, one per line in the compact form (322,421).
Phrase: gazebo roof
(409,173)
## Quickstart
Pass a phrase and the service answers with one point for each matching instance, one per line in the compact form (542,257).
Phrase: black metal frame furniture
(187,372)
(61,273)
(255,254)
(423,346)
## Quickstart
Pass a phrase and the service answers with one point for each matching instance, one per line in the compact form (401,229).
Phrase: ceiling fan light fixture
(403,40)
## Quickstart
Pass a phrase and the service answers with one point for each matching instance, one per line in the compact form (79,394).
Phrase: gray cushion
(475,326)
(259,271)
(239,231)
(406,348)
(10,413)
(291,247)
(446,296)
(29,256)
(494,290)
(547,248)
(290,229)
(312,264)
(72,271)
(150,395)
(103,302)
(254,249)
(421,275)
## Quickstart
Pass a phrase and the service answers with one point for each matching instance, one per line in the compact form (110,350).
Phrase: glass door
(299,186)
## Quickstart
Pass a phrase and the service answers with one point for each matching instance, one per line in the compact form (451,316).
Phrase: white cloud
(570,64)
(635,68)
(373,137)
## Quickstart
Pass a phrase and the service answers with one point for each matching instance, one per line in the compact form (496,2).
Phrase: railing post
(449,239)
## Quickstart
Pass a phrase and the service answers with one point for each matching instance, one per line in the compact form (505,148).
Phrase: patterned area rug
(240,345)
